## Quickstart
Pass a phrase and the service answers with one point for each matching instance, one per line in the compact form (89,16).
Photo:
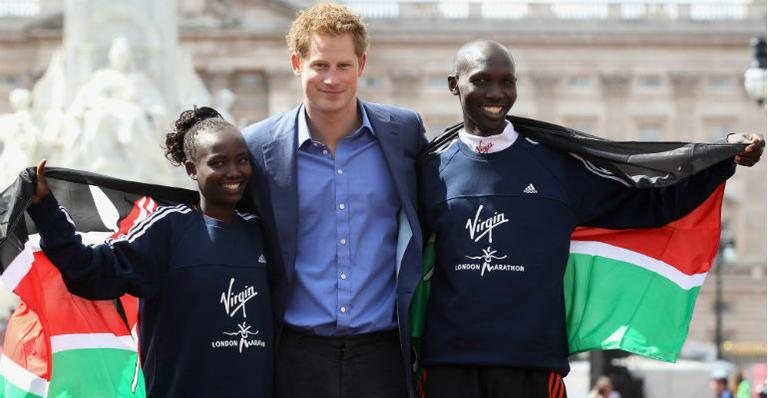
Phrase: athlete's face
(222,168)
(487,89)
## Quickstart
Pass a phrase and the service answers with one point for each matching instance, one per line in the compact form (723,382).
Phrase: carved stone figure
(18,137)
(119,114)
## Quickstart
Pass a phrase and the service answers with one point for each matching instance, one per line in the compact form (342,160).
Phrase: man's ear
(362,65)
(453,84)
(191,169)
(296,64)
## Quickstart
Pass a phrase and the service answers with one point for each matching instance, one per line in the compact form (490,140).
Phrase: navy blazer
(273,145)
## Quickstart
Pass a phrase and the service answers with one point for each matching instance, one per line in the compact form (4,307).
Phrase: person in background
(719,384)
(603,389)
(739,385)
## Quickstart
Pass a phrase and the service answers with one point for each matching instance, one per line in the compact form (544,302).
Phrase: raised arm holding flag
(503,197)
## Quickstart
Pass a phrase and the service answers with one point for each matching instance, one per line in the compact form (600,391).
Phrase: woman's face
(222,167)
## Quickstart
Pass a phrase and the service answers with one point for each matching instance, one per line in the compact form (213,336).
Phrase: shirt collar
(490,144)
(305,135)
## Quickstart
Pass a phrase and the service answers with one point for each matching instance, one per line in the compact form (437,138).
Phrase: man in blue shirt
(335,182)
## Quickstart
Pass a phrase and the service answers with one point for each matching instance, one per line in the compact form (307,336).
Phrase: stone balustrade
(606,9)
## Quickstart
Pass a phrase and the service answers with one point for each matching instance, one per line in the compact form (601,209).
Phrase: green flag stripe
(14,375)
(662,268)
(613,304)
(101,372)
(9,390)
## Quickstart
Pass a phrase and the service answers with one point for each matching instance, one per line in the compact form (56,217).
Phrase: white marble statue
(109,113)
(222,102)
(190,89)
(18,137)
(120,116)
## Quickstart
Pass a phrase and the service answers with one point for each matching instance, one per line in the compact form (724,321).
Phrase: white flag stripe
(88,238)
(246,216)
(22,378)
(22,263)
(79,341)
(106,209)
(598,171)
(601,249)
(18,268)
(146,207)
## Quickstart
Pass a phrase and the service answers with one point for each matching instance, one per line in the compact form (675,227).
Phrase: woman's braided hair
(180,143)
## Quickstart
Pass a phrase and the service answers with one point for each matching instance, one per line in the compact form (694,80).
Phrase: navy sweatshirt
(205,321)
(503,223)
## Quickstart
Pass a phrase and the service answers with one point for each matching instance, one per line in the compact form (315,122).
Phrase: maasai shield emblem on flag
(57,344)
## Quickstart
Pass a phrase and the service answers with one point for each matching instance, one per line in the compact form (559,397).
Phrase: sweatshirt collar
(490,144)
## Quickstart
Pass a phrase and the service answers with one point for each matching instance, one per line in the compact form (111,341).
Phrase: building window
(720,83)
(585,123)
(727,250)
(251,80)
(717,133)
(438,82)
(649,133)
(373,82)
(580,82)
(649,81)
(10,80)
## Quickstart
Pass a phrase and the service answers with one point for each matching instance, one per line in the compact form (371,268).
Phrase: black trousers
(492,382)
(360,366)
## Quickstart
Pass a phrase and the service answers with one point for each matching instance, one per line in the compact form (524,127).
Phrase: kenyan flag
(635,289)
(57,344)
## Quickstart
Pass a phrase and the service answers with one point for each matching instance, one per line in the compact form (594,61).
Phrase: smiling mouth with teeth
(232,187)
(495,110)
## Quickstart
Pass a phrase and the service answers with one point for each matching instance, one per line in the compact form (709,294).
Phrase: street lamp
(755,77)
(725,254)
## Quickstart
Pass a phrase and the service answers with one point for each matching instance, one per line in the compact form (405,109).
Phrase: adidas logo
(262,259)
(530,189)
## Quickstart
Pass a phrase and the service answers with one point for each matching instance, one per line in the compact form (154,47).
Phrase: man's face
(329,74)
(487,89)
(718,386)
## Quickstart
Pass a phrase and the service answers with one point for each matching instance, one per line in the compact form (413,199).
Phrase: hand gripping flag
(624,289)
(58,344)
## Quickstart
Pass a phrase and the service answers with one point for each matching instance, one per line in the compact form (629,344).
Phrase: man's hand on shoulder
(752,152)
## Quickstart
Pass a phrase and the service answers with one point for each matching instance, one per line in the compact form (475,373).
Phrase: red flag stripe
(689,244)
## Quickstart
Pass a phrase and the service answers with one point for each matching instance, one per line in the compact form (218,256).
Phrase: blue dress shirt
(347,234)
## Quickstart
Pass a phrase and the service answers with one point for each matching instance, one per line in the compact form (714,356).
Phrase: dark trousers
(492,382)
(361,366)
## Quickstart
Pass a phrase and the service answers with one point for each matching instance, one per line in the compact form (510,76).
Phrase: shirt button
(343,276)
(342,206)
(339,171)
(343,309)
(343,241)
(325,151)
